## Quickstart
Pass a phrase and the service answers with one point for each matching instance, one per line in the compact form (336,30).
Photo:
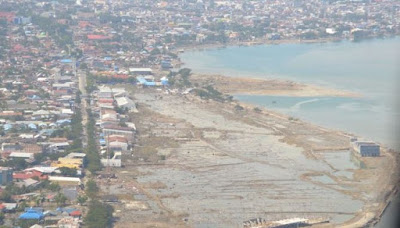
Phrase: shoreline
(270,87)
(362,218)
(371,210)
(202,47)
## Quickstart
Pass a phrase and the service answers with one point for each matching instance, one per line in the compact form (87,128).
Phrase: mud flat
(221,167)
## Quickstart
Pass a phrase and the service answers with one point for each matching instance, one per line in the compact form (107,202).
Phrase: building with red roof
(106,101)
(75,213)
(30,174)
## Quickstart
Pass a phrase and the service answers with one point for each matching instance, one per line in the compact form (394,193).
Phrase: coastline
(260,86)
(200,46)
(195,113)
(370,213)
(367,215)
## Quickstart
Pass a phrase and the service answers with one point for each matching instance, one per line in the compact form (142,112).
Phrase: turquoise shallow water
(370,68)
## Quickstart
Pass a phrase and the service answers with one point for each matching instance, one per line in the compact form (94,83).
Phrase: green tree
(99,215)
(90,83)
(155,51)
(83,66)
(54,187)
(78,97)
(82,199)
(92,153)
(91,189)
(22,206)
(18,163)
(27,223)
(60,199)
(40,157)
(1,218)
(70,172)
(185,72)
(6,196)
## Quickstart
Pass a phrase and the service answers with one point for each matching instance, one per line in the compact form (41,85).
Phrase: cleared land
(204,164)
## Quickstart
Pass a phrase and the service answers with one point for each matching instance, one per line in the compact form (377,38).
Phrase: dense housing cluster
(62,120)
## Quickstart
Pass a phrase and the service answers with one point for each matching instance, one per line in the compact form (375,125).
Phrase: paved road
(82,87)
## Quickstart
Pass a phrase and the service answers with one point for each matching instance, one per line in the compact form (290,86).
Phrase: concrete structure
(104,92)
(365,148)
(116,130)
(284,223)
(118,146)
(73,163)
(141,71)
(26,156)
(124,102)
(114,161)
(6,175)
(65,180)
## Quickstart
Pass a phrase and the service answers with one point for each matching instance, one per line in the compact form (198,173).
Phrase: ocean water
(369,68)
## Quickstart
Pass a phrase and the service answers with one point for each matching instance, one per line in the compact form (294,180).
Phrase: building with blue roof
(102,142)
(164,81)
(65,209)
(166,64)
(47,132)
(34,97)
(7,127)
(32,126)
(66,60)
(141,80)
(63,121)
(32,214)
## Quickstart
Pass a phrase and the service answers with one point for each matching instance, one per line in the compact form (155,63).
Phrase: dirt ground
(204,164)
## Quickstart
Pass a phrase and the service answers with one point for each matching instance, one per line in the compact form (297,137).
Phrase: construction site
(202,163)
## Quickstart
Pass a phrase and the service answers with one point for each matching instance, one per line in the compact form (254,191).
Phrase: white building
(114,161)
(125,102)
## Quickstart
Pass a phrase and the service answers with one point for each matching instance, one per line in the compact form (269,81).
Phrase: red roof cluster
(9,16)
(97,37)
(108,101)
(18,47)
(120,76)
(83,24)
(2,114)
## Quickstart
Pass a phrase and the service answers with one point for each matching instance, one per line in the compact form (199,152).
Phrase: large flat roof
(140,69)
